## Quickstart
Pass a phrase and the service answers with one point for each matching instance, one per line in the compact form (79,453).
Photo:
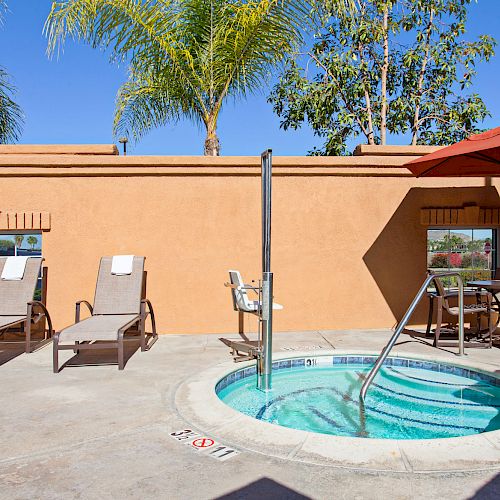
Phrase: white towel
(121,265)
(14,267)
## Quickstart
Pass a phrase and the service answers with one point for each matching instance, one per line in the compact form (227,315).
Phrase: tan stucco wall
(348,248)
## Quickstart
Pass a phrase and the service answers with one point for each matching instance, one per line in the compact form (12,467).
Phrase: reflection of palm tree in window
(32,241)
(18,238)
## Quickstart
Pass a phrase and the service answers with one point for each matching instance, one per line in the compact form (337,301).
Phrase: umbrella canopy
(477,156)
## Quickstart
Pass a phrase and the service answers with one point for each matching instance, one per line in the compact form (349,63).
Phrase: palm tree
(11,116)
(18,239)
(186,56)
(32,241)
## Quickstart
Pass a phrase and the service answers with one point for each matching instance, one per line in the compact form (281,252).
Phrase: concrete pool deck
(94,432)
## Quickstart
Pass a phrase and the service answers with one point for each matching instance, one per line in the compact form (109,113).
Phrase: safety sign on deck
(204,444)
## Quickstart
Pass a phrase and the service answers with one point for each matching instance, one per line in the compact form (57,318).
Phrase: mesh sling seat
(119,308)
(18,310)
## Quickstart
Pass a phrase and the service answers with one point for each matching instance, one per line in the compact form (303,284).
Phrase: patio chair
(119,308)
(481,308)
(18,310)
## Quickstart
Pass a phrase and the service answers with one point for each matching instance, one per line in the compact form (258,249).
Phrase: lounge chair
(119,308)
(481,308)
(18,310)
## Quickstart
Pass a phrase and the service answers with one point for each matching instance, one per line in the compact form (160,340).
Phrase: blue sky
(71,100)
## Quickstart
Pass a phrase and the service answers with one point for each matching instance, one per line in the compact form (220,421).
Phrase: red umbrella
(477,156)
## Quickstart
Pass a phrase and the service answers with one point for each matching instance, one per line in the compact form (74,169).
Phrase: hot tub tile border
(396,361)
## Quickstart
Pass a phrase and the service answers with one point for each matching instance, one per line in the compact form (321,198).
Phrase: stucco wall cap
(58,149)
(376,150)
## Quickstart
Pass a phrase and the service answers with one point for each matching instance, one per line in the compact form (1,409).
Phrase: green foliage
(11,115)
(398,66)
(6,244)
(186,57)
(32,241)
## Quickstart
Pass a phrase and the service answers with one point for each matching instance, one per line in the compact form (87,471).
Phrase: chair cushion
(101,327)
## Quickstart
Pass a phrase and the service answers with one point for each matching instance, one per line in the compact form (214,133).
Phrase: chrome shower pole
(265,363)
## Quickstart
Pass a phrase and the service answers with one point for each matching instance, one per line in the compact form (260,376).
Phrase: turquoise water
(402,403)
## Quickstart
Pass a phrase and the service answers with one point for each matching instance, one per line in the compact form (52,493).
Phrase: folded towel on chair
(121,265)
(14,267)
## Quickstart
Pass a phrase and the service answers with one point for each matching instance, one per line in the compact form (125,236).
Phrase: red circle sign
(203,442)
(487,247)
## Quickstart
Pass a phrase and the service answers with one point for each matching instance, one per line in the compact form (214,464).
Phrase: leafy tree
(398,66)
(11,116)
(32,241)
(186,57)
(6,244)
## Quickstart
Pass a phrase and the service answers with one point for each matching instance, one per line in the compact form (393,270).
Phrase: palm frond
(186,56)
(11,115)
(149,100)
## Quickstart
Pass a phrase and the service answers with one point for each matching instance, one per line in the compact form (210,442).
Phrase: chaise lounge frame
(136,325)
(36,311)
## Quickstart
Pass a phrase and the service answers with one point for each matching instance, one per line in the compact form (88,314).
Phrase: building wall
(348,247)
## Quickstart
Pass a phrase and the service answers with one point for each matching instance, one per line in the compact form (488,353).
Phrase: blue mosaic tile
(286,363)
(339,360)
(354,360)
(399,362)
(483,377)
(388,362)
(276,365)
(369,360)
(298,362)
(415,363)
(429,365)
(238,375)
(251,370)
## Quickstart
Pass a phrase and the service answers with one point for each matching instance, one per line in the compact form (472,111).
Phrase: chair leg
(27,331)
(75,350)
(120,351)
(439,320)
(429,318)
(142,326)
(55,353)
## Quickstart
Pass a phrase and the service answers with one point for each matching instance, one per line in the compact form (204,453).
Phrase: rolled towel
(14,267)
(121,265)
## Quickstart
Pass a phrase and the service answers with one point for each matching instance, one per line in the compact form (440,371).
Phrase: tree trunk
(212,144)
(420,84)
(385,67)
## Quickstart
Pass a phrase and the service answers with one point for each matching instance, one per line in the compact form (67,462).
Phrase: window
(28,244)
(472,252)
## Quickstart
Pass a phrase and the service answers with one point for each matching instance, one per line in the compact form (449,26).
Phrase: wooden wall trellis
(10,220)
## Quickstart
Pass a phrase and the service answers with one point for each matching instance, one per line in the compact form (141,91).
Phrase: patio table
(492,286)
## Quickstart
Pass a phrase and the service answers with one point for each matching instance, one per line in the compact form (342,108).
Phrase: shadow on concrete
(12,344)
(98,357)
(490,490)
(264,489)
(397,259)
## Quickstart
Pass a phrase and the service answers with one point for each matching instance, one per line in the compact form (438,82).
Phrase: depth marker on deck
(204,444)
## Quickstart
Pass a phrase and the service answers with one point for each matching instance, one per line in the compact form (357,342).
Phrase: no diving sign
(204,444)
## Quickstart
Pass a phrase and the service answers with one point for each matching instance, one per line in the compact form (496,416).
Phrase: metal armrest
(77,309)
(41,305)
(147,302)
(244,287)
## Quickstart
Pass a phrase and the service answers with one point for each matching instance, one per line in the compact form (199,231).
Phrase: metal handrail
(404,321)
